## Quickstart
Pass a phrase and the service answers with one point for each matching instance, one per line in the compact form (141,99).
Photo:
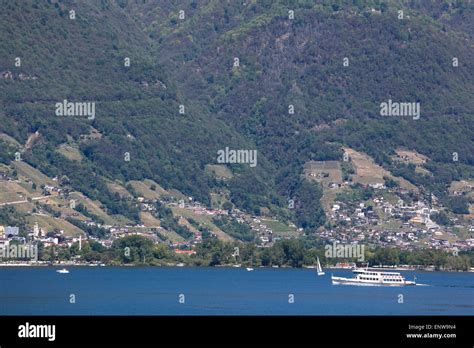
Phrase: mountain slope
(189,64)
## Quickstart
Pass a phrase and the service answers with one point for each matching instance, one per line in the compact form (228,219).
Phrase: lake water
(224,291)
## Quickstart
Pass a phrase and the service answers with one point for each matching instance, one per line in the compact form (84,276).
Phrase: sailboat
(319,269)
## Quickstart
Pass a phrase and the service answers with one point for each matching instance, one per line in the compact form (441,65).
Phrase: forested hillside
(176,81)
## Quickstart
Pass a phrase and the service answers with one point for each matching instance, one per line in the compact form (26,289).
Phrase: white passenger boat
(373,278)
(62,271)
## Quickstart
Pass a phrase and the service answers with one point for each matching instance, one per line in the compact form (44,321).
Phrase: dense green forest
(224,73)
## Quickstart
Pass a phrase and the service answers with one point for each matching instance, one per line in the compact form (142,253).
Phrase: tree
(133,249)
(459,205)
(227,206)
(390,183)
(441,218)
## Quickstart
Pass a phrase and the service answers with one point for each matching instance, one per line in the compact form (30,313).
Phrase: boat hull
(353,281)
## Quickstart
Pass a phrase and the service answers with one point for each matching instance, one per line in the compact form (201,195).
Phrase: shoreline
(421,269)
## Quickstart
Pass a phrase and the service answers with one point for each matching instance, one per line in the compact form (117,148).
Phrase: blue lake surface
(224,291)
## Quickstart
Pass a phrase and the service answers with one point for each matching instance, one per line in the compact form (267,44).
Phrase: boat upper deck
(376,273)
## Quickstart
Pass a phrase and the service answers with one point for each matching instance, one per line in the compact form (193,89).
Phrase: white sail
(319,268)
